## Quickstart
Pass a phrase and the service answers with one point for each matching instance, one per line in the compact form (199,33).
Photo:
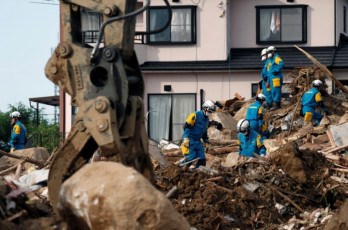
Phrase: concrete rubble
(123,200)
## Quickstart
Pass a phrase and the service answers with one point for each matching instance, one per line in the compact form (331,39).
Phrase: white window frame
(182,29)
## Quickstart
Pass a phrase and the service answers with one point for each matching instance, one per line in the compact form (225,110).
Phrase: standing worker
(18,132)
(250,142)
(275,76)
(254,115)
(310,101)
(195,129)
(264,75)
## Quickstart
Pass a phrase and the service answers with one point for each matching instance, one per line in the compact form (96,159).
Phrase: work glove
(186,142)
(12,149)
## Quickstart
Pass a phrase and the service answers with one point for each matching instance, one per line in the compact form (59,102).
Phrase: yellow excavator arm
(105,84)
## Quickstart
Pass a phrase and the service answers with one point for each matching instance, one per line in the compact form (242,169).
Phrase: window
(167,114)
(90,24)
(255,89)
(182,29)
(281,24)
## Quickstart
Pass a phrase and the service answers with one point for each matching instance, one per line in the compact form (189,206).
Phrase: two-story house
(211,50)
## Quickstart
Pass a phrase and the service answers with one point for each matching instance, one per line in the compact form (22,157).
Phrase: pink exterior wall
(216,86)
(320,33)
(211,38)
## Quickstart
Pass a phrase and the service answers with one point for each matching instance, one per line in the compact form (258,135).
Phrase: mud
(246,195)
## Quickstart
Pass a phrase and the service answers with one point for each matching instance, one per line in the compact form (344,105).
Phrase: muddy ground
(245,196)
(255,194)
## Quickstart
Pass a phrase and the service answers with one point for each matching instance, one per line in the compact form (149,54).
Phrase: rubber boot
(277,106)
(201,162)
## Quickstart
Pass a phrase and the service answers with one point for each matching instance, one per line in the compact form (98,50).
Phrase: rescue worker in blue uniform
(254,115)
(195,130)
(18,132)
(310,101)
(275,76)
(249,141)
(264,75)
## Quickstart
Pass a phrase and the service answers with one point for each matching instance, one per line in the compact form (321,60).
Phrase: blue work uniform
(250,144)
(309,102)
(275,77)
(18,135)
(266,90)
(254,115)
(195,129)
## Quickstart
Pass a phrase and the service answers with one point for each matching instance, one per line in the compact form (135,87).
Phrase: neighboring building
(211,50)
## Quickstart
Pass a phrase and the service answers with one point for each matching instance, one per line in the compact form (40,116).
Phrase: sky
(30,32)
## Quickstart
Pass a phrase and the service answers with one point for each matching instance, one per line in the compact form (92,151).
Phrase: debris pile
(257,193)
(302,182)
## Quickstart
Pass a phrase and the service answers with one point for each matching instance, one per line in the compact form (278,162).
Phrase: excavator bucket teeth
(76,152)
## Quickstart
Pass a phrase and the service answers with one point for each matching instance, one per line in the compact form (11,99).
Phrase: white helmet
(271,49)
(243,126)
(209,106)
(15,114)
(261,97)
(317,83)
(264,54)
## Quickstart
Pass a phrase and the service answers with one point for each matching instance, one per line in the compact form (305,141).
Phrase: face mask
(269,55)
(207,113)
(263,58)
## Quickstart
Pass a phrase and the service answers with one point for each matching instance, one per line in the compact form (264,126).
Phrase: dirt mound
(255,194)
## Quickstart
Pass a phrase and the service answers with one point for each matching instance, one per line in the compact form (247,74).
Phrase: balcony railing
(91,36)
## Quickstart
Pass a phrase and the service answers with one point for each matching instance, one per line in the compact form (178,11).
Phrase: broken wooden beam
(323,68)
(222,150)
(338,148)
(35,162)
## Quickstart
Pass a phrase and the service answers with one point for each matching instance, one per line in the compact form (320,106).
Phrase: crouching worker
(310,101)
(195,130)
(255,114)
(250,142)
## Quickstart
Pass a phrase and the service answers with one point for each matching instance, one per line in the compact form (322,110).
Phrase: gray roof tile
(249,59)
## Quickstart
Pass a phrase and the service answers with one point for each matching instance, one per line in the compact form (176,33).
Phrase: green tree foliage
(45,135)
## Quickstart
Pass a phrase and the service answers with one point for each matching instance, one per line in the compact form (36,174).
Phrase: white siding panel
(216,86)
(320,33)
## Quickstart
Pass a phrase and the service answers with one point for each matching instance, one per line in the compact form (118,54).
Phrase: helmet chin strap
(246,133)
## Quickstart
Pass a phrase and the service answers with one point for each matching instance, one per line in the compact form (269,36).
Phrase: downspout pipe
(201,92)
(335,22)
